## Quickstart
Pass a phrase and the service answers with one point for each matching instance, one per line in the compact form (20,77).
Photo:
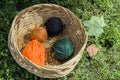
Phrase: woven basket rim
(51,67)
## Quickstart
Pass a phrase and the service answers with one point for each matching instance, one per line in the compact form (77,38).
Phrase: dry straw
(36,15)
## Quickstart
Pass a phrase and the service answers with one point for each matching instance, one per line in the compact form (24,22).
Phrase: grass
(104,66)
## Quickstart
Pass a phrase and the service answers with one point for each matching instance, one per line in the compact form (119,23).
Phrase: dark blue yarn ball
(54,26)
(63,49)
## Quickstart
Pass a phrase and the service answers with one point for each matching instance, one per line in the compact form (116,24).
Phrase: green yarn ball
(63,49)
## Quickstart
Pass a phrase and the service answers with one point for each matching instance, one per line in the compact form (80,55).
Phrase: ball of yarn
(63,49)
(39,33)
(35,52)
(54,26)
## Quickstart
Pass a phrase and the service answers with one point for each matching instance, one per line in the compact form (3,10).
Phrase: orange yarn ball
(39,33)
(35,52)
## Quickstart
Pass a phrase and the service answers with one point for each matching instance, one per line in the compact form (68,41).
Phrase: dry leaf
(92,50)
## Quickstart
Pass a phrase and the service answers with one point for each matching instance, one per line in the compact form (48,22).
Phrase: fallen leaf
(95,26)
(92,50)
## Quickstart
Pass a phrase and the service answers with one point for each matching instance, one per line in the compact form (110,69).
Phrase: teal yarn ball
(63,49)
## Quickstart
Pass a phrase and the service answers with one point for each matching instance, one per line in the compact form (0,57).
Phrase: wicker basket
(26,20)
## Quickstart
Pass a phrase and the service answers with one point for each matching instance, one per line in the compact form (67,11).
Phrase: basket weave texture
(36,15)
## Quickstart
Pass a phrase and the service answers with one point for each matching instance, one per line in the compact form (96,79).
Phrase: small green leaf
(95,26)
